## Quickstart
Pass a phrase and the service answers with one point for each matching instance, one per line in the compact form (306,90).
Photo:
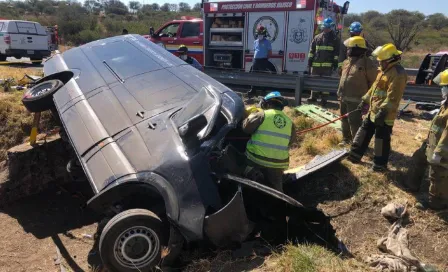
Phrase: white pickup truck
(23,39)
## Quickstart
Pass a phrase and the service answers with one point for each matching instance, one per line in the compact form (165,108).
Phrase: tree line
(406,29)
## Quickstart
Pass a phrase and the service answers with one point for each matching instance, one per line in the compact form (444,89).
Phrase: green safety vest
(269,145)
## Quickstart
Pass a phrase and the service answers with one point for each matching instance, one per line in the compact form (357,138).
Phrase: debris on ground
(397,255)
(429,115)
(427,106)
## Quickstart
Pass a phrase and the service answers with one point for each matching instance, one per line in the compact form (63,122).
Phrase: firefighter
(436,149)
(355,29)
(358,74)
(262,52)
(272,132)
(183,55)
(323,56)
(384,99)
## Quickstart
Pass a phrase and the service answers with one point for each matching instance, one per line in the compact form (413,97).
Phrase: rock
(28,170)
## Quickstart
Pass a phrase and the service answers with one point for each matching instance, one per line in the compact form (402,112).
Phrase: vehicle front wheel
(2,57)
(132,241)
(40,97)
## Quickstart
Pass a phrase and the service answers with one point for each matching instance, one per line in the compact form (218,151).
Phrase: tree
(146,9)
(403,27)
(378,23)
(135,6)
(93,6)
(184,7)
(370,15)
(165,7)
(197,7)
(155,6)
(350,18)
(173,7)
(115,7)
(437,21)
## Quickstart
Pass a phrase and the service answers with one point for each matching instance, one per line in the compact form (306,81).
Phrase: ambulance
(225,36)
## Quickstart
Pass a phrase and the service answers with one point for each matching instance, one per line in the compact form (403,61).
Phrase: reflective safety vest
(269,145)
(324,50)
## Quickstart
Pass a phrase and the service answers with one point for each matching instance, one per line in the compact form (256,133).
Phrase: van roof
(19,21)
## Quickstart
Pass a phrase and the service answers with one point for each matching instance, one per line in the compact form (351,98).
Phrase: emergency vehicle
(225,36)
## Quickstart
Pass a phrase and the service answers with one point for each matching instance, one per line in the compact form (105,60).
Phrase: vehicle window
(2,25)
(169,31)
(26,28)
(190,30)
(197,105)
(125,59)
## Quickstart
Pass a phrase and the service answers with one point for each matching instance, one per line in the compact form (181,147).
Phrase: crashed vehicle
(152,135)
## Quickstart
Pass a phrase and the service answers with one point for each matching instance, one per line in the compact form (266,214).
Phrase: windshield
(206,102)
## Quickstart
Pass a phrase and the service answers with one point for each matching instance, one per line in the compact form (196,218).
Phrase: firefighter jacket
(324,51)
(386,92)
(269,144)
(358,75)
(438,135)
(343,53)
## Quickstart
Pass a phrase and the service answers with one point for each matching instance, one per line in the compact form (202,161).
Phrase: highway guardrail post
(299,90)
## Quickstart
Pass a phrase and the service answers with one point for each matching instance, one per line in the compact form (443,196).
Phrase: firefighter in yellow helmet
(272,132)
(383,99)
(436,155)
(358,74)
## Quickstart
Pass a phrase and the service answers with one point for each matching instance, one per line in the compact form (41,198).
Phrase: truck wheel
(40,97)
(36,61)
(2,57)
(132,241)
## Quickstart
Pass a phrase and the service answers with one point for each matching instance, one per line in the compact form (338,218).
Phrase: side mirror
(189,131)
(345,7)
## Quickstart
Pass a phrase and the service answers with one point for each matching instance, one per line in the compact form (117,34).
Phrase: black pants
(382,142)
(260,66)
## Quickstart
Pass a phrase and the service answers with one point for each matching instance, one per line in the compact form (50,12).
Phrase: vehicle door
(167,36)
(3,27)
(27,36)
(192,34)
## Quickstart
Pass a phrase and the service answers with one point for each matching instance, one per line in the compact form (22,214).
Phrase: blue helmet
(275,97)
(355,28)
(328,23)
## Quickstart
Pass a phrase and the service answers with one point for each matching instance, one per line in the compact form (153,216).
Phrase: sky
(357,6)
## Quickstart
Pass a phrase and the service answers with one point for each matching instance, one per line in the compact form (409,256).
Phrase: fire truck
(225,36)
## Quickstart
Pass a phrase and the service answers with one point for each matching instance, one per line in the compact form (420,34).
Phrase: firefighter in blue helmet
(355,29)
(272,133)
(323,56)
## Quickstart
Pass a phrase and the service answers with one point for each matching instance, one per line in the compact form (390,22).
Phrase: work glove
(435,159)
(380,117)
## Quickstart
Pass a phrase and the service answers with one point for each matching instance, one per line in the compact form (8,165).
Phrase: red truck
(224,37)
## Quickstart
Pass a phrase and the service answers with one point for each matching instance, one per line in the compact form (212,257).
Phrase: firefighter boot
(312,98)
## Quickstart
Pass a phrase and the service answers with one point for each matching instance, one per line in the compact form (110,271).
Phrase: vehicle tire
(40,97)
(132,241)
(2,57)
(17,57)
(36,61)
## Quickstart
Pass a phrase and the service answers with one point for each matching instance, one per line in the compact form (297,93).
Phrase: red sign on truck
(256,6)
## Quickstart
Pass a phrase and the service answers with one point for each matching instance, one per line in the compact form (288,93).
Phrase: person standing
(272,133)
(355,30)
(358,74)
(323,56)
(384,99)
(436,149)
(262,52)
(183,55)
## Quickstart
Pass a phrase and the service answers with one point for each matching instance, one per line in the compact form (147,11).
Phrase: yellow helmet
(386,52)
(442,78)
(356,41)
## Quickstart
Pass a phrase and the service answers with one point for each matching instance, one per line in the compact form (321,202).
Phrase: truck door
(274,22)
(300,35)
(167,36)
(192,35)
(30,36)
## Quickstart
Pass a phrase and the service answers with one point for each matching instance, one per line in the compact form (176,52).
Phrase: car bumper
(28,53)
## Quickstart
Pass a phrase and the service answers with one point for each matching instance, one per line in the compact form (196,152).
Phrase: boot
(379,168)
(323,102)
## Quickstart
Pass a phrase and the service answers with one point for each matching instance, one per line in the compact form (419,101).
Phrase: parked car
(152,135)
(23,39)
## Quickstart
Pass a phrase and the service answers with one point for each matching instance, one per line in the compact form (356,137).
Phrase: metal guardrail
(300,83)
